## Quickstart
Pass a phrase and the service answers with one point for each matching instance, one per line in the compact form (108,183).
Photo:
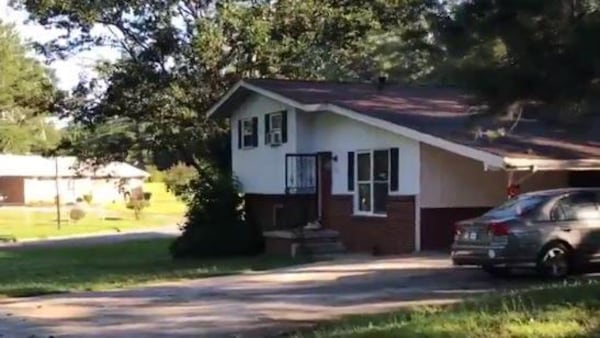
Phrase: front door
(324,185)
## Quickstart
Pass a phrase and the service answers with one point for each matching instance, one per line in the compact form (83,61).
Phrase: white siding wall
(450,180)
(102,190)
(261,170)
(340,135)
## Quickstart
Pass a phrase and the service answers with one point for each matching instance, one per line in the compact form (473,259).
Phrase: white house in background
(390,167)
(32,179)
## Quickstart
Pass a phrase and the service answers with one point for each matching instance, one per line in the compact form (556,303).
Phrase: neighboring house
(392,168)
(32,179)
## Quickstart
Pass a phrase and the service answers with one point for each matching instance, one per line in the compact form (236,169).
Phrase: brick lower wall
(393,234)
(272,212)
(437,225)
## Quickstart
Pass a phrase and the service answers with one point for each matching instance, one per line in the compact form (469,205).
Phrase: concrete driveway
(250,305)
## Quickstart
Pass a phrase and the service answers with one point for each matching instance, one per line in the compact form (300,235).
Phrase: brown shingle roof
(444,113)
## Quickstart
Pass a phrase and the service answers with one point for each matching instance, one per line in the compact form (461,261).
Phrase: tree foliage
(542,51)
(180,56)
(27,96)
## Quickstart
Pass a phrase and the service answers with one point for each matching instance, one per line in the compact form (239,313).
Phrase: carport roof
(444,114)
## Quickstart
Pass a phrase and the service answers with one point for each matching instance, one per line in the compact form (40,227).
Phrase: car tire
(496,271)
(554,261)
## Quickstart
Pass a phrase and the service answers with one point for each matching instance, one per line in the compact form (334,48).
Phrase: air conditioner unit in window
(275,138)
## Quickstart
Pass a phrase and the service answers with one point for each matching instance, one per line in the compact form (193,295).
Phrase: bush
(215,225)
(76,214)
(179,176)
(88,198)
(155,174)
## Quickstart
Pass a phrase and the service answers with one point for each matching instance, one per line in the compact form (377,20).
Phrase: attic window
(248,133)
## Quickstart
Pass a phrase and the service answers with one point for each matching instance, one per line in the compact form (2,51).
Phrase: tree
(520,52)
(180,56)
(27,95)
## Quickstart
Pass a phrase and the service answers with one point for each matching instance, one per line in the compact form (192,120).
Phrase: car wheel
(554,261)
(496,271)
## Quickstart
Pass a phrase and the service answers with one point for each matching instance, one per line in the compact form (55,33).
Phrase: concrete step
(324,248)
(323,235)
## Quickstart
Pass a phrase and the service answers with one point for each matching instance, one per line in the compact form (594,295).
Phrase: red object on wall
(513,190)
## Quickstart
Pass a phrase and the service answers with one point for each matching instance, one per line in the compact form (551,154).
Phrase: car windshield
(516,207)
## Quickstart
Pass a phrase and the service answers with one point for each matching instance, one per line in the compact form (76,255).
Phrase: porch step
(321,235)
(324,248)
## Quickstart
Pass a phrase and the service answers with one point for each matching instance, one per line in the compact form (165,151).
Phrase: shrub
(155,174)
(215,224)
(76,214)
(88,198)
(137,205)
(179,176)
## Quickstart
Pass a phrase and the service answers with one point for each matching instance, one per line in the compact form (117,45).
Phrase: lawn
(24,223)
(552,311)
(161,202)
(27,272)
(27,223)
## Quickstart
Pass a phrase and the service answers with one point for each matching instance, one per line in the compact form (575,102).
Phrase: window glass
(380,194)
(381,165)
(364,167)
(372,181)
(364,197)
(247,133)
(584,206)
(276,121)
(579,206)
(518,206)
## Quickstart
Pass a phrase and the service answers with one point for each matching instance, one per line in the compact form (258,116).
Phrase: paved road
(251,305)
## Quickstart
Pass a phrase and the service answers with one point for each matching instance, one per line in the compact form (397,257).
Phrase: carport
(456,187)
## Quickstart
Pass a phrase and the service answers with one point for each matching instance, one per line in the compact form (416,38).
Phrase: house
(33,180)
(390,167)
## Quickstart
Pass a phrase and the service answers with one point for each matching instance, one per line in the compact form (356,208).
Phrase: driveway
(250,305)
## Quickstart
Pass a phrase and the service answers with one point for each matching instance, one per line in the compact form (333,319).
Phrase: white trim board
(489,160)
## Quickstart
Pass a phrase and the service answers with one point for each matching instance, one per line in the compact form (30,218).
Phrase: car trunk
(477,231)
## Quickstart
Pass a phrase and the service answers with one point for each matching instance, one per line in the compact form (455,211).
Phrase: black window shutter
(394,163)
(240,143)
(255,131)
(267,129)
(350,171)
(284,127)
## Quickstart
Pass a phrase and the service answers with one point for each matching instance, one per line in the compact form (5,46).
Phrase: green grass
(27,223)
(24,223)
(161,202)
(27,272)
(552,311)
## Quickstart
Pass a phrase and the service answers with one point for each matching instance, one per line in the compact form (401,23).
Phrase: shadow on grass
(35,271)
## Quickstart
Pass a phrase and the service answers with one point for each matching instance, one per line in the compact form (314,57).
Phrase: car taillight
(499,229)
(458,229)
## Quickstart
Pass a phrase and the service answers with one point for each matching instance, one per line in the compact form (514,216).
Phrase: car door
(576,219)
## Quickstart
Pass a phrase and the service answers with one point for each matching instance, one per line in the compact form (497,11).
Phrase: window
(519,206)
(248,133)
(275,128)
(579,206)
(372,181)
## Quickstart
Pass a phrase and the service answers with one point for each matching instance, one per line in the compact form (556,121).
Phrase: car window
(578,206)
(519,206)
